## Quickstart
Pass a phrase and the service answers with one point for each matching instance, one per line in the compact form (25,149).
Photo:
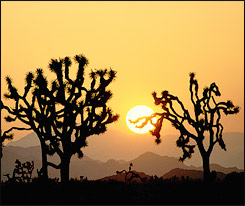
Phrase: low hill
(121,177)
(191,174)
(216,167)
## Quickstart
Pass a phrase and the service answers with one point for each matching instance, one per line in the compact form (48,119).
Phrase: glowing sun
(135,113)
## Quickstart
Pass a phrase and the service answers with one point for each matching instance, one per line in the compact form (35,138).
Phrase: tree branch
(54,165)
(16,128)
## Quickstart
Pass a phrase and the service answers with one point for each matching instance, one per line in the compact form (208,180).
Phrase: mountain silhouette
(149,163)
(154,164)
(26,141)
(121,177)
(191,174)
(115,147)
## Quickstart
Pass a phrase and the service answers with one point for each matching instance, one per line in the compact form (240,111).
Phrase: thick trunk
(206,168)
(205,160)
(44,169)
(65,168)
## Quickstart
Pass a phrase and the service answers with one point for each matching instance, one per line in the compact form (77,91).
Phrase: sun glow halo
(135,113)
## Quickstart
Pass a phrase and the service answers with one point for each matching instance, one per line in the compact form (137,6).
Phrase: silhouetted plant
(235,177)
(5,136)
(174,178)
(40,173)
(155,179)
(133,174)
(207,115)
(64,110)
(21,172)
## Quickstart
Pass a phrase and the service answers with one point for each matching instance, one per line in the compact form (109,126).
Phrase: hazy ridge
(119,146)
(148,162)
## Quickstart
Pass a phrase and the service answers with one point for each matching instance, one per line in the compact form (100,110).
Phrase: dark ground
(230,191)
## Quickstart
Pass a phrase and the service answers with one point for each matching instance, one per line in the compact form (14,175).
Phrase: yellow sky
(152,45)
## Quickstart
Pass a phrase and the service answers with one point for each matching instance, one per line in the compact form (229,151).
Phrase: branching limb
(16,128)
(54,165)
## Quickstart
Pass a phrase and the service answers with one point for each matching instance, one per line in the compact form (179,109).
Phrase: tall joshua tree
(64,115)
(26,112)
(207,115)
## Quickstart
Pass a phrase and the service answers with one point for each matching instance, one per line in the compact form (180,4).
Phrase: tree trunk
(65,168)
(205,160)
(206,168)
(44,169)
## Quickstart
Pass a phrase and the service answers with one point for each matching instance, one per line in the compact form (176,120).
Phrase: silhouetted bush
(21,172)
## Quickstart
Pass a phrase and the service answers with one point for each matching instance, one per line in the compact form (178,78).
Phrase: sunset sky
(153,46)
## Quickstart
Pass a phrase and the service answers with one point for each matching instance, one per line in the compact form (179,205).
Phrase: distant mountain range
(148,163)
(29,140)
(119,146)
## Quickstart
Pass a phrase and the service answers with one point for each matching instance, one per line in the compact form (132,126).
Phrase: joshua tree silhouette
(65,114)
(207,115)
(133,174)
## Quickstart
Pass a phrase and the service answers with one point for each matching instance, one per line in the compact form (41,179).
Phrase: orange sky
(152,45)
